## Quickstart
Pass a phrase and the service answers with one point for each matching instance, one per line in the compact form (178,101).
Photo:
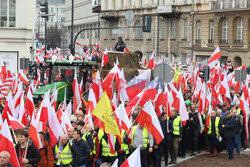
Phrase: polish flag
(78,43)
(183,109)
(133,103)
(33,133)
(59,114)
(224,88)
(22,114)
(6,138)
(81,86)
(134,160)
(77,97)
(54,97)
(151,61)
(150,91)
(15,124)
(122,116)
(9,107)
(149,120)
(23,77)
(244,106)
(18,95)
(213,60)
(46,105)
(29,104)
(91,101)
(137,84)
(105,58)
(160,101)
(174,93)
(111,143)
(108,81)
(66,121)
(55,129)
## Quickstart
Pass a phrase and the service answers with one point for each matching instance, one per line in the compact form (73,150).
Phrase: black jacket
(194,125)
(230,127)
(83,150)
(32,153)
(73,151)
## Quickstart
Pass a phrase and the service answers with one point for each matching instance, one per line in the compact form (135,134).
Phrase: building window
(239,33)
(185,29)
(122,3)
(224,31)
(128,33)
(163,29)
(173,29)
(211,32)
(62,19)
(114,3)
(198,31)
(63,10)
(52,10)
(138,31)
(173,2)
(8,13)
(52,19)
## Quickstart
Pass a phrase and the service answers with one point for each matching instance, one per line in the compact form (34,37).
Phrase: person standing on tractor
(120,45)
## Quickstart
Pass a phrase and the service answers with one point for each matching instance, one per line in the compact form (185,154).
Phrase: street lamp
(33,34)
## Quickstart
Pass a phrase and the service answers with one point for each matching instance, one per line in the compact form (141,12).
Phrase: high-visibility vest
(217,121)
(94,141)
(100,134)
(124,146)
(144,136)
(66,156)
(85,139)
(106,148)
(204,116)
(176,125)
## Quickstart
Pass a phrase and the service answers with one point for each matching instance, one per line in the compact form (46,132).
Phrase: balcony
(224,42)
(238,42)
(210,41)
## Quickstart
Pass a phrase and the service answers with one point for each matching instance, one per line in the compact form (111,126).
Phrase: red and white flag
(134,160)
(77,96)
(22,114)
(105,58)
(137,84)
(183,109)
(29,104)
(54,97)
(149,120)
(6,138)
(122,116)
(14,123)
(22,76)
(55,129)
(33,133)
(213,60)
(151,61)
(45,107)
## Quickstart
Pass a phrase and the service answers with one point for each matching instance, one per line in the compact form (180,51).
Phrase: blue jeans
(238,141)
(81,166)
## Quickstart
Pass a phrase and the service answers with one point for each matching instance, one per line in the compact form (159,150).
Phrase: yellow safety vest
(238,111)
(85,139)
(100,134)
(66,156)
(106,148)
(124,146)
(176,125)
(144,135)
(94,140)
(217,121)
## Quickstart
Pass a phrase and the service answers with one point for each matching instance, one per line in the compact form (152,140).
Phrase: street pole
(192,41)
(72,28)
(98,25)
(45,37)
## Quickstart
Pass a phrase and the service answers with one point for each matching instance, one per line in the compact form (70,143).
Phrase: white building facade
(16,22)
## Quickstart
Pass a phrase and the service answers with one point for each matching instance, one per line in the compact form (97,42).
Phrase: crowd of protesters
(85,146)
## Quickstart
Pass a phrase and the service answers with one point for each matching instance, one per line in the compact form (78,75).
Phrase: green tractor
(60,74)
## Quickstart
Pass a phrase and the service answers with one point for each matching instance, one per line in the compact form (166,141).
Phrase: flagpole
(14,135)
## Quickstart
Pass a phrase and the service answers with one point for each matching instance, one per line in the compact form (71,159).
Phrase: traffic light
(44,8)
(204,73)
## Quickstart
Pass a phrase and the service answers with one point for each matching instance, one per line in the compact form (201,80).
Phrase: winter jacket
(83,151)
(32,153)
(230,127)
(47,157)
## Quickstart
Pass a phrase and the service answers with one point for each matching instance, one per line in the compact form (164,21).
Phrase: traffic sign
(164,72)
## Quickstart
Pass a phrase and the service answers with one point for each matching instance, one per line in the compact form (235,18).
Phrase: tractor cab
(60,74)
